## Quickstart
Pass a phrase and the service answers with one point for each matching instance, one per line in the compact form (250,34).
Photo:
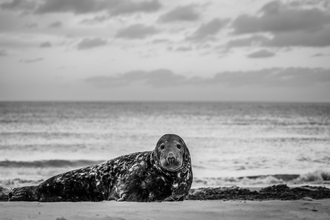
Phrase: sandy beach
(111,210)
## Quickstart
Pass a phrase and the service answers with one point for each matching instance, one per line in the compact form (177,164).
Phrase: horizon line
(167,101)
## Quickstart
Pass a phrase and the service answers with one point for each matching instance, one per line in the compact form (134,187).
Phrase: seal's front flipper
(26,193)
(174,198)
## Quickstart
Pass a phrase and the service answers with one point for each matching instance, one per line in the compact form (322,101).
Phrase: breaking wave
(47,163)
(318,177)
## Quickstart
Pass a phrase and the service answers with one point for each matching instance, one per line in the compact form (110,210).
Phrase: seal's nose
(171,158)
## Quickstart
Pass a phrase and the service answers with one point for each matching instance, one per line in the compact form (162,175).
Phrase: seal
(164,174)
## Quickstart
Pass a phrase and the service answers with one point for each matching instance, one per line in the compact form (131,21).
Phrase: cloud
(129,7)
(183,49)
(113,7)
(254,40)
(155,78)
(276,77)
(88,43)
(310,39)
(301,3)
(75,6)
(277,17)
(286,25)
(181,13)
(31,25)
(136,31)
(55,24)
(18,5)
(208,30)
(18,41)
(272,77)
(95,20)
(3,53)
(32,60)
(11,5)
(320,55)
(261,54)
(160,41)
(45,44)
(289,39)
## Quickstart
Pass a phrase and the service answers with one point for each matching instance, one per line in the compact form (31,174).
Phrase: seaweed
(275,192)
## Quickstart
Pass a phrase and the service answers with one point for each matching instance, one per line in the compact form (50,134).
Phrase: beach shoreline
(274,202)
(111,210)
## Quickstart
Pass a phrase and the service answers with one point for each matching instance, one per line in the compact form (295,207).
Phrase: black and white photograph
(155,109)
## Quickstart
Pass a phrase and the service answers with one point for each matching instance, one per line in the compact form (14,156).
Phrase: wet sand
(193,210)
(274,202)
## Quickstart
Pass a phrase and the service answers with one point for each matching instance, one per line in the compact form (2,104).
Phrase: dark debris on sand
(275,192)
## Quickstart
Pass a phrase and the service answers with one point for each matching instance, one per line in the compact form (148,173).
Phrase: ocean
(231,143)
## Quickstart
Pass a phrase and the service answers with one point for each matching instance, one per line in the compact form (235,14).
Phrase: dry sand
(192,210)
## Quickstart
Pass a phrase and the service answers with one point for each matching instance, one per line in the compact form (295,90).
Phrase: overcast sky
(212,50)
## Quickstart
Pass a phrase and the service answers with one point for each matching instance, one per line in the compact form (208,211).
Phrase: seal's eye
(162,146)
(178,146)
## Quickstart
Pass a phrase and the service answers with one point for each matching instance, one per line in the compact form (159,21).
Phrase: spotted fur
(135,177)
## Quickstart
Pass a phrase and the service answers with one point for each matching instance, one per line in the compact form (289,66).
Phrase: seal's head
(171,153)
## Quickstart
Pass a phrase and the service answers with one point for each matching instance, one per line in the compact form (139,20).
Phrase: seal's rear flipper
(26,193)
(4,194)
